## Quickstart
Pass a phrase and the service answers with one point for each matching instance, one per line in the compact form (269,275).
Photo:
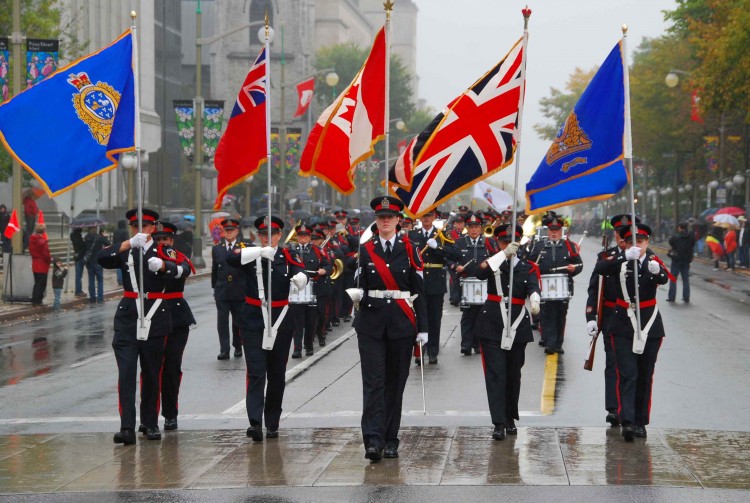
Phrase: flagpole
(507,341)
(139,190)
(388,6)
(269,298)
(638,342)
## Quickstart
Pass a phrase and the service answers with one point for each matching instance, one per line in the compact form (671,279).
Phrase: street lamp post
(713,184)
(16,39)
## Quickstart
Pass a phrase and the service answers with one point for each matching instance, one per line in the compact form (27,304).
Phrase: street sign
(721,195)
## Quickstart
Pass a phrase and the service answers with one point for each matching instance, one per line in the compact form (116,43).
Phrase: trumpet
(292,237)
(443,239)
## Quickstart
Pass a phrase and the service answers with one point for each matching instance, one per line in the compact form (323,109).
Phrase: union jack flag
(253,92)
(471,139)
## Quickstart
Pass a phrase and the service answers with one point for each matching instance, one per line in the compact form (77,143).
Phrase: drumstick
(467,263)
(564,268)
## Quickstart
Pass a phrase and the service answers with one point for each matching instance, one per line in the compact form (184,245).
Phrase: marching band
(391,277)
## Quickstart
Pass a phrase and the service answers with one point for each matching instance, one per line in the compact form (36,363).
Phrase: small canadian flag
(13,226)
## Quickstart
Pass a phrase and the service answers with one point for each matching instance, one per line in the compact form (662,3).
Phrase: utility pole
(16,39)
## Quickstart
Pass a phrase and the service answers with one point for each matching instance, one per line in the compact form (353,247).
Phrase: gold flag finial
(267,24)
(624,29)
(388,6)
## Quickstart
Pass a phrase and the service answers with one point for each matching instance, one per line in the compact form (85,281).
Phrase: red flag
(695,107)
(40,221)
(243,146)
(13,225)
(304,95)
(347,130)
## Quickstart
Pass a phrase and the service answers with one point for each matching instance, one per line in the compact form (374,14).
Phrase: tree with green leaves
(558,105)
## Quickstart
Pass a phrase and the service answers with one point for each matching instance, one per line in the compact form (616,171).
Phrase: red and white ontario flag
(346,132)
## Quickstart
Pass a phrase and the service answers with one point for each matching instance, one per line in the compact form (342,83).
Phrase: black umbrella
(87,221)
(301,215)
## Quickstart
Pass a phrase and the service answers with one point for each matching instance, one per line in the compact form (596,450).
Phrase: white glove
(355,294)
(139,240)
(155,264)
(268,252)
(422,337)
(592,328)
(511,249)
(535,300)
(432,243)
(299,280)
(495,261)
(249,254)
(654,267)
(633,253)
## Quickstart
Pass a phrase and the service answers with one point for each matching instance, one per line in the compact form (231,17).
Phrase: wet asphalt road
(58,375)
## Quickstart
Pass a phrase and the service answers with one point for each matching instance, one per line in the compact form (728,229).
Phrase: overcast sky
(458,41)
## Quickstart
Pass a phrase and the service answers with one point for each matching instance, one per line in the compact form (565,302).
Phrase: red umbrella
(730,210)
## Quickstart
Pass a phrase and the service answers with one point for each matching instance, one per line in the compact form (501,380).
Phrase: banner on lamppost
(293,145)
(213,118)
(4,68)
(712,152)
(41,59)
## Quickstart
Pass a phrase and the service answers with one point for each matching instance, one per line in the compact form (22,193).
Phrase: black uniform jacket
(611,287)
(182,315)
(525,282)
(434,260)
(619,324)
(384,317)
(313,258)
(465,251)
(228,282)
(549,256)
(126,317)
(284,267)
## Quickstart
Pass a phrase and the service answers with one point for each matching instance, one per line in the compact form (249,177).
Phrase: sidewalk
(14,310)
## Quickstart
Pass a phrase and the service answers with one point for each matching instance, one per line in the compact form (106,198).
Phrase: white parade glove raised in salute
(633,253)
(535,301)
(511,249)
(268,252)
(139,240)
(155,264)
(654,267)
(432,243)
(422,337)
(299,280)
(592,328)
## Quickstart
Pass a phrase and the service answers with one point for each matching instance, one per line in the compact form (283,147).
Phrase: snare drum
(473,292)
(555,287)
(304,296)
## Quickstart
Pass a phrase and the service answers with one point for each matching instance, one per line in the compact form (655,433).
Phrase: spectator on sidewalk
(40,262)
(30,210)
(681,253)
(94,242)
(59,271)
(79,251)
(730,245)
(715,243)
(121,234)
(743,239)
(4,219)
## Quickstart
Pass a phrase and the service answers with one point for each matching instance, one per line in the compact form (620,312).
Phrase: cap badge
(385,203)
(624,220)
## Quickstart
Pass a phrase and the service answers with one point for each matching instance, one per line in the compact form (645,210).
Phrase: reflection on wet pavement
(334,457)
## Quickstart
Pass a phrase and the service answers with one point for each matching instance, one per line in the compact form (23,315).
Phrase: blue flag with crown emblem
(586,160)
(73,125)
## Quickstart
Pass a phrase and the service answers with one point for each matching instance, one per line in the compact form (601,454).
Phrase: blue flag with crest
(586,159)
(73,125)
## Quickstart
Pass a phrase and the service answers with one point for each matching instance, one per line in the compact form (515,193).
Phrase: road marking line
(301,367)
(549,384)
(92,359)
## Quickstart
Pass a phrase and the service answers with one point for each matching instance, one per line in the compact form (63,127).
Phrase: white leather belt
(388,294)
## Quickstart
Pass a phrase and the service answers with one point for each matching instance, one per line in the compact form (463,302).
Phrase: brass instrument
(443,239)
(292,237)
(489,231)
(338,269)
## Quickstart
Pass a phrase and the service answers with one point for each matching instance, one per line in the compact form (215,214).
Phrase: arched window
(258,9)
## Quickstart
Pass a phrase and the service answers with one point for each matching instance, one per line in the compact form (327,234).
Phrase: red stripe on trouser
(651,389)
(617,373)
(119,397)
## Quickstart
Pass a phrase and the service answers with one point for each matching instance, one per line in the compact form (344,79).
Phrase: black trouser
(305,318)
(223,308)
(502,378)
(385,368)
(128,351)
(324,316)
(434,319)
(552,323)
(346,301)
(40,286)
(455,287)
(265,365)
(468,320)
(635,378)
(611,401)
(338,298)
(171,373)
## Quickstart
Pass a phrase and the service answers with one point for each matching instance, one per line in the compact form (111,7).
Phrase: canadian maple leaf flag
(305,91)
(346,132)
